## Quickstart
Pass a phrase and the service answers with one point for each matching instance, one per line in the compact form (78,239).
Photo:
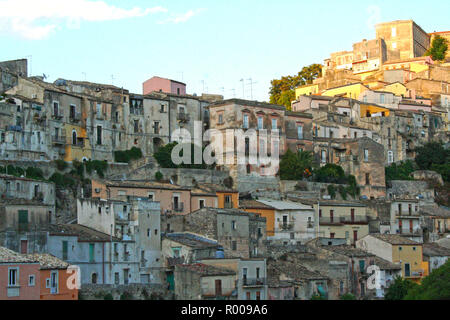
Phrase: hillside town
(92,206)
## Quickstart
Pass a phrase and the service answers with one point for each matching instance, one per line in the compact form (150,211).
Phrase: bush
(126,296)
(348,296)
(343,192)
(295,166)
(62,180)
(34,173)
(332,191)
(401,171)
(158,176)
(108,296)
(128,155)
(330,173)
(99,166)
(317,297)
(61,165)
(79,168)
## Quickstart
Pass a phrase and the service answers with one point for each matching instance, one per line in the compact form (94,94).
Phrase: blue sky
(207,44)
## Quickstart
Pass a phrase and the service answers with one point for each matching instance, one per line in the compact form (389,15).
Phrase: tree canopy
(295,166)
(433,156)
(438,49)
(282,90)
(434,287)
(399,289)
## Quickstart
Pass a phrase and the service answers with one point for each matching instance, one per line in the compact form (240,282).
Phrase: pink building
(164,85)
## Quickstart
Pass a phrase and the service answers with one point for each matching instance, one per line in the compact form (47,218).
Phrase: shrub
(62,180)
(34,173)
(332,191)
(330,173)
(128,155)
(61,165)
(348,296)
(126,296)
(78,167)
(158,176)
(99,166)
(343,192)
(108,296)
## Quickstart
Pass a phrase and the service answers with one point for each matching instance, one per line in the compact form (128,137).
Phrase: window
(233,245)
(91,252)
(233,225)
(162,110)
(31,281)
(65,246)
(178,91)
(274,124)
(99,135)
(394,31)
(116,278)
(220,118)
(148,233)
(156,127)
(258,295)
(13,278)
(300,132)
(400,248)
(74,138)
(324,156)
(260,123)
(245,121)
(367,178)
(201,204)
(366,155)
(136,126)
(151,196)
(382,98)
(390,156)
(55,108)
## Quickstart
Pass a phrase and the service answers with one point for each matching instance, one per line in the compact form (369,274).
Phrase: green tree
(438,49)
(434,287)
(330,173)
(433,156)
(348,296)
(400,171)
(282,91)
(399,289)
(293,165)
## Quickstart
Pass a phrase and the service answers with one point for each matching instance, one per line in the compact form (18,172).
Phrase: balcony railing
(354,220)
(58,139)
(228,205)
(183,117)
(417,232)
(178,207)
(57,116)
(172,262)
(328,220)
(408,214)
(287,226)
(75,117)
(253,282)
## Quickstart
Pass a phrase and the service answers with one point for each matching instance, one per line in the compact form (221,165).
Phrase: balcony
(407,215)
(286,226)
(410,233)
(178,207)
(228,205)
(58,139)
(182,117)
(57,116)
(354,220)
(172,262)
(416,274)
(79,143)
(253,282)
(330,221)
(75,117)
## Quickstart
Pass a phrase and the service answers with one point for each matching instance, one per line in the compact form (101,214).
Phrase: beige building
(404,39)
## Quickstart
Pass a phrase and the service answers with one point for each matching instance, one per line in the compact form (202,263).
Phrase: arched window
(94,278)
(74,137)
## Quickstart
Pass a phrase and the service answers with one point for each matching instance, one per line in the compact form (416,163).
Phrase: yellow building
(77,143)
(399,250)
(348,91)
(369,110)
(265,211)
(306,90)
(397,88)
(342,220)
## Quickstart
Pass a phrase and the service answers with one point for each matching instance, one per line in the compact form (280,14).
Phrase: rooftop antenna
(44,76)
(243,88)
(203,82)
(84,75)
(182,75)
(112,79)
(251,87)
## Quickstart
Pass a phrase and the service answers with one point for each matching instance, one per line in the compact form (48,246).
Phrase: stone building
(240,233)
(204,282)
(404,39)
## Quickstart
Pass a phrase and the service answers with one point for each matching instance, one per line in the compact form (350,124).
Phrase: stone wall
(132,291)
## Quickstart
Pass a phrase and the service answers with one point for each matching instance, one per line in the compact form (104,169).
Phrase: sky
(209,45)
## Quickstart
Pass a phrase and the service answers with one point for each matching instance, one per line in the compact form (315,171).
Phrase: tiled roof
(213,188)
(435,250)
(192,240)
(285,205)
(385,265)
(9,256)
(48,262)
(250,103)
(253,204)
(290,271)
(144,184)
(206,270)
(394,239)
(83,233)
(348,251)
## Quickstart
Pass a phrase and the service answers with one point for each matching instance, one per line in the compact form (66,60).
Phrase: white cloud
(182,17)
(36,19)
